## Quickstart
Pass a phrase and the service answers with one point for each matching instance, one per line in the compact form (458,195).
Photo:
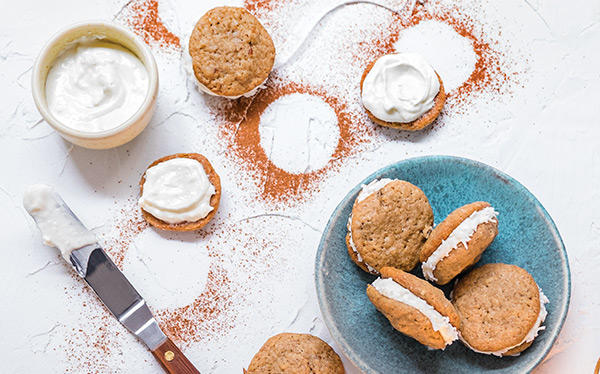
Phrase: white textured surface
(162,269)
(296,139)
(545,135)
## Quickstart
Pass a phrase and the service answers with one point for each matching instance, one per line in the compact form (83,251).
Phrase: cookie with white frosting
(402,90)
(232,53)
(180,192)
(415,308)
(390,221)
(501,309)
(458,241)
(288,353)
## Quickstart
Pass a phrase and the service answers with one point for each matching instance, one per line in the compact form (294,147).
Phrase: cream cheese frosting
(96,85)
(390,289)
(177,190)
(531,335)
(250,93)
(366,191)
(58,226)
(369,189)
(400,87)
(461,234)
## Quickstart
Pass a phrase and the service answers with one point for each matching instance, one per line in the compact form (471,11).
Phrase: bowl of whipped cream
(96,84)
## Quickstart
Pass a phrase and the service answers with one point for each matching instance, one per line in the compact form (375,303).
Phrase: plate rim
(319,258)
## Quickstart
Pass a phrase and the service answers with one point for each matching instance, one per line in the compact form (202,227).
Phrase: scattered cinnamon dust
(276,184)
(142,16)
(241,127)
(127,227)
(200,320)
(255,5)
(210,313)
(489,73)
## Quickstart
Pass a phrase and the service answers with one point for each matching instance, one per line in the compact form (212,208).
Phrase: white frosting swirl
(440,323)
(400,88)
(96,85)
(177,190)
(461,234)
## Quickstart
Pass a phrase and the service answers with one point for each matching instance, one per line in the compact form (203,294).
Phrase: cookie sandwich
(390,221)
(180,192)
(501,309)
(295,354)
(232,53)
(403,91)
(458,241)
(415,308)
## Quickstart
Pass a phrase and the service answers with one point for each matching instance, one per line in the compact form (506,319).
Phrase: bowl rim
(38,87)
(347,350)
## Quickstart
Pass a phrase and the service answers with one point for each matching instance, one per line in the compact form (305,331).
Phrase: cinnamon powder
(142,16)
(240,126)
(199,321)
(242,119)
(127,227)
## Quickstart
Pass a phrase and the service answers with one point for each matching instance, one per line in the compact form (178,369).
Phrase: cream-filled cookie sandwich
(501,309)
(180,192)
(389,223)
(232,53)
(415,308)
(458,241)
(402,90)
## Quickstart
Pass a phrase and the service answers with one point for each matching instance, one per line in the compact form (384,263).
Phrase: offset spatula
(126,304)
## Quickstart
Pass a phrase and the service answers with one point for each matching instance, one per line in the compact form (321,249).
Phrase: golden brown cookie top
(288,353)
(498,305)
(354,257)
(215,199)
(420,123)
(231,51)
(389,226)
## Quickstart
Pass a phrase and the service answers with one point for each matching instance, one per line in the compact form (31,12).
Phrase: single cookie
(295,354)
(415,308)
(214,180)
(501,309)
(232,53)
(423,120)
(390,221)
(458,241)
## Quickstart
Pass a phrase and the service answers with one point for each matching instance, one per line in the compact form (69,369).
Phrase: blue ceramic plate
(527,238)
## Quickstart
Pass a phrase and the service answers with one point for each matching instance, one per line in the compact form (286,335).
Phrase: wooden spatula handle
(172,360)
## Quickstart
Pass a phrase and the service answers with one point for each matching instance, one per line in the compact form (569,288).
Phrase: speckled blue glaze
(527,238)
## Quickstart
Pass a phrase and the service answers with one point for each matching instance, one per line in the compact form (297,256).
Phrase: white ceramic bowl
(125,131)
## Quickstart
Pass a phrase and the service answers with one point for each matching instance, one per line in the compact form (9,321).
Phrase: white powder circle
(451,55)
(159,267)
(299,132)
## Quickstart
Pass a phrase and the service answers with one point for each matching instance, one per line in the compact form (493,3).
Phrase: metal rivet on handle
(169,355)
